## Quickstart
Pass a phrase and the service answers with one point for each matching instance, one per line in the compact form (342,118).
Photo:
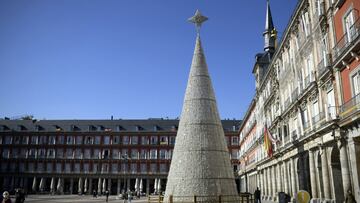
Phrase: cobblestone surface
(74,199)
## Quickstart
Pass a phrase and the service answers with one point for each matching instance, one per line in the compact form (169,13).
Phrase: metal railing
(319,117)
(346,40)
(241,198)
(350,106)
(324,65)
(332,112)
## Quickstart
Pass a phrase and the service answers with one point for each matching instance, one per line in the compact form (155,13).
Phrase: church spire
(270,32)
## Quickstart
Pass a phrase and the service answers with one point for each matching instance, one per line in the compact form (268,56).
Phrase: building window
(349,28)
(172,140)
(116,140)
(58,168)
(125,140)
(153,154)
(67,167)
(87,154)
(97,139)
(49,167)
(162,154)
(79,140)
(52,140)
(21,167)
(16,140)
(163,168)
(143,168)
(114,168)
(41,153)
(60,153)
(78,154)
(144,140)
(96,153)
(124,154)
(69,140)
(50,153)
(69,153)
(95,167)
(5,153)
(40,167)
(235,140)
(42,140)
(4,167)
(23,153)
(124,167)
(234,154)
(34,139)
(32,153)
(86,167)
(115,154)
(134,154)
(133,168)
(154,140)
(31,167)
(25,140)
(134,140)
(105,154)
(89,140)
(163,140)
(15,153)
(77,167)
(107,140)
(143,154)
(61,139)
(153,168)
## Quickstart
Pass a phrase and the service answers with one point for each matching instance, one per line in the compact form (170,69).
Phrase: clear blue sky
(82,59)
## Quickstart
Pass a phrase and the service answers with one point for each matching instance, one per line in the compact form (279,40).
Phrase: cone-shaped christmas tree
(200,164)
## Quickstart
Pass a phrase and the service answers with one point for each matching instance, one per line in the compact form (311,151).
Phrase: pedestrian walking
(350,197)
(107,195)
(129,196)
(257,195)
(6,197)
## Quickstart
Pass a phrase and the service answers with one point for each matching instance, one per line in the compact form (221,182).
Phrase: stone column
(118,186)
(34,185)
(128,184)
(274,180)
(285,175)
(147,186)
(265,183)
(261,186)
(345,174)
(109,185)
(86,185)
(80,186)
(354,151)
(99,186)
(279,177)
(312,174)
(269,179)
(325,173)
(71,185)
(293,177)
(90,186)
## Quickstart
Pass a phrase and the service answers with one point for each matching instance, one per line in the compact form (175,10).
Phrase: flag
(267,142)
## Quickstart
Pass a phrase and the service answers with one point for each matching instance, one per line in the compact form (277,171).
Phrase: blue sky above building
(130,59)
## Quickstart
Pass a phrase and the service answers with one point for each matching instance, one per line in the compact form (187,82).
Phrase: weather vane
(198,19)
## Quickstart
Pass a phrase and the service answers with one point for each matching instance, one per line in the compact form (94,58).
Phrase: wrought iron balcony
(347,39)
(350,107)
(324,66)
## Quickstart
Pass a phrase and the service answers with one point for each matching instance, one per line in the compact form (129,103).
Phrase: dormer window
(39,128)
(138,128)
(100,128)
(120,128)
(4,128)
(74,128)
(22,128)
(92,128)
(57,128)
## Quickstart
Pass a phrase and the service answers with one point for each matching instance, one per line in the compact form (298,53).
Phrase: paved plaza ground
(74,199)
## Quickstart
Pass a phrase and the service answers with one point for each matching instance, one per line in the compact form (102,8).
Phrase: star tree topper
(198,19)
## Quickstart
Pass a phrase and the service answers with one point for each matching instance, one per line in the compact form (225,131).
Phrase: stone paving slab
(74,199)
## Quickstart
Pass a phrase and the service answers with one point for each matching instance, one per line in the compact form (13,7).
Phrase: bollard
(171,199)
(219,198)
(159,201)
(194,198)
(148,199)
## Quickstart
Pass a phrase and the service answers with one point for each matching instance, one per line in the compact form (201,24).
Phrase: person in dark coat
(107,195)
(257,195)
(350,197)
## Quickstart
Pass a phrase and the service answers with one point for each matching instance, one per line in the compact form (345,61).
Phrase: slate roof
(145,125)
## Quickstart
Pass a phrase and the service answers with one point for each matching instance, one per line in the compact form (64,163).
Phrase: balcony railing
(317,118)
(346,40)
(332,112)
(306,125)
(324,65)
(350,106)
(294,94)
